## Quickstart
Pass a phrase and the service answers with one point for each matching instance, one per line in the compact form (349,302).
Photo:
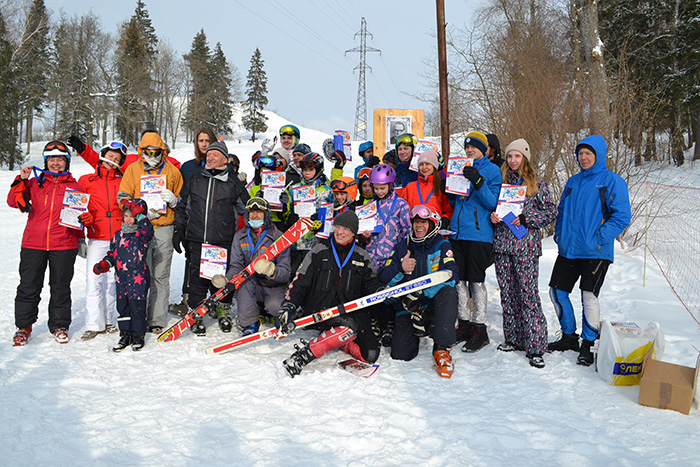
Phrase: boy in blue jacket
(593,211)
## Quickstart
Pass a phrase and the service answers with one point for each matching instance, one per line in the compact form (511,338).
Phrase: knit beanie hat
(219,146)
(478,140)
(494,143)
(349,220)
(521,146)
(283,153)
(431,157)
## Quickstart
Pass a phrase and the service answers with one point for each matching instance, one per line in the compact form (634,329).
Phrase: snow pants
(524,323)
(365,339)
(132,314)
(159,260)
(201,287)
(442,312)
(32,269)
(250,293)
(100,290)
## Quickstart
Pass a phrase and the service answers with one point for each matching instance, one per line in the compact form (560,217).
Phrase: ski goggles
(56,148)
(421,212)
(115,146)
(266,161)
(407,139)
(340,185)
(364,174)
(288,130)
(256,203)
(152,152)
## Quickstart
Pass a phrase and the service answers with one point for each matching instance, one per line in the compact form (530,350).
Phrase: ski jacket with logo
(422,192)
(594,208)
(127,255)
(42,231)
(103,186)
(398,215)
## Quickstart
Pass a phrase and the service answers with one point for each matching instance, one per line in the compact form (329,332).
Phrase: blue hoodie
(594,208)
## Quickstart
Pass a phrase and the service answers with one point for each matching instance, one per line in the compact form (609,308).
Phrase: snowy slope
(81,404)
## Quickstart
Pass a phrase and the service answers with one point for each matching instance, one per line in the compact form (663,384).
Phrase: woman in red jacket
(45,242)
(102,219)
(428,190)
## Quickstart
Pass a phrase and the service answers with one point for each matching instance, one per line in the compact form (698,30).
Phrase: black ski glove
(372,161)
(75,143)
(285,320)
(340,159)
(178,239)
(472,174)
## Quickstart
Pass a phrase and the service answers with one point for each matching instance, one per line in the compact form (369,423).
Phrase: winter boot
(198,328)
(61,335)
(509,347)
(388,333)
(585,357)
(224,316)
(180,309)
(137,341)
(22,336)
(478,340)
(464,330)
(89,335)
(299,359)
(567,342)
(535,360)
(124,341)
(443,363)
(250,329)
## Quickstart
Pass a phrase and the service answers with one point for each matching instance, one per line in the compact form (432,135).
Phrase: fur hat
(349,220)
(478,140)
(521,146)
(431,157)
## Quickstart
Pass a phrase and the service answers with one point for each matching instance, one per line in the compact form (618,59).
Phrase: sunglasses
(152,152)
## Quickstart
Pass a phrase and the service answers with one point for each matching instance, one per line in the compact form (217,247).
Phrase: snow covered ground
(81,404)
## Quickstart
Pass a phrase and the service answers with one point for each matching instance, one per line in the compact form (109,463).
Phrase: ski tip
(165,336)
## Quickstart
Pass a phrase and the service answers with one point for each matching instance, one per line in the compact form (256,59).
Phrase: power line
(361,106)
(392,82)
(305,26)
(324,13)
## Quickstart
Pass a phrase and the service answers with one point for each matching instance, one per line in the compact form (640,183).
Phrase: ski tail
(294,233)
(414,285)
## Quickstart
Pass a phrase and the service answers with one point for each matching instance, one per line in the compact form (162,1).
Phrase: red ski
(405,288)
(294,233)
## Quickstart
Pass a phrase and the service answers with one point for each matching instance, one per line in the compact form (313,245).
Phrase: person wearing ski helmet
(473,240)
(102,220)
(45,243)
(366,151)
(405,145)
(210,203)
(312,177)
(431,312)
(289,136)
(335,271)
(344,194)
(153,161)
(365,186)
(269,283)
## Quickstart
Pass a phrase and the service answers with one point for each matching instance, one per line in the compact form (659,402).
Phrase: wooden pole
(442,72)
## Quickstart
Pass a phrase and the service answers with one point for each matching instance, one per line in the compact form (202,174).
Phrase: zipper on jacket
(476,219)
(48,224)
(206,210)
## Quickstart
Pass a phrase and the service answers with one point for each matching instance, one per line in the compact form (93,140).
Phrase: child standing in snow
(127,253)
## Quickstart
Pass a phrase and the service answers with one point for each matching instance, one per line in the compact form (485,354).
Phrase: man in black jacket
(333,272)
(207,214)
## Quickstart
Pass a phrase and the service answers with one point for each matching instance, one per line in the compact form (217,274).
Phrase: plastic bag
(622,349)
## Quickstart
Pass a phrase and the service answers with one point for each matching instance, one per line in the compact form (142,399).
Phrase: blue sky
(303,44)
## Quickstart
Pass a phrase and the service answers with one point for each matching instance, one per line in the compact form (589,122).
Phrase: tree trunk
(30,123)
(695,133)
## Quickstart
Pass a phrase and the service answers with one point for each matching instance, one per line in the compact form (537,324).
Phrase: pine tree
(199,91)
(256,89)
(10,155)
(33,52)
(149,32)
(220,101)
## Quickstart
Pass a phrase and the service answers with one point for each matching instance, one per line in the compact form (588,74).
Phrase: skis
(420,283)
(294,233)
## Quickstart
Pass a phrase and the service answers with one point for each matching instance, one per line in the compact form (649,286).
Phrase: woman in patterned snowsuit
(517,260)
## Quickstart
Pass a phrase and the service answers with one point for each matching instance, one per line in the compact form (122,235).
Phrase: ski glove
(372,161)
(284,198)
(268,144)
(340,159)
(21,197)
(285,320)
(132,206)
(153,214)
(75,143)
(265,267)
(415,303)
(317,224)
(472,174)
(86,218)
(219,281)
(169,197)
(101,267)
(178,239)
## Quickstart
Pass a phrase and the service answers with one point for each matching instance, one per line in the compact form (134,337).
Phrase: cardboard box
(666,385)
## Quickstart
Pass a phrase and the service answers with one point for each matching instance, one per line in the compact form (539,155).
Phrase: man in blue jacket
(593,211)
(473,241)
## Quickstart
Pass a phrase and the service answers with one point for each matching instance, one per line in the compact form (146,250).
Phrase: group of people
(205,206)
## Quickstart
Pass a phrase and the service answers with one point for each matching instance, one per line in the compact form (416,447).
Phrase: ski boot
(22,336)
(535,360)
(124,341)
(478,340)
(137,341)
(388,333)
(443,363)
(509,347)
(61,335)
(567,342)
(198,328)
(180,309)
(224,316)
(585,357)
(250,329)
(299,359)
